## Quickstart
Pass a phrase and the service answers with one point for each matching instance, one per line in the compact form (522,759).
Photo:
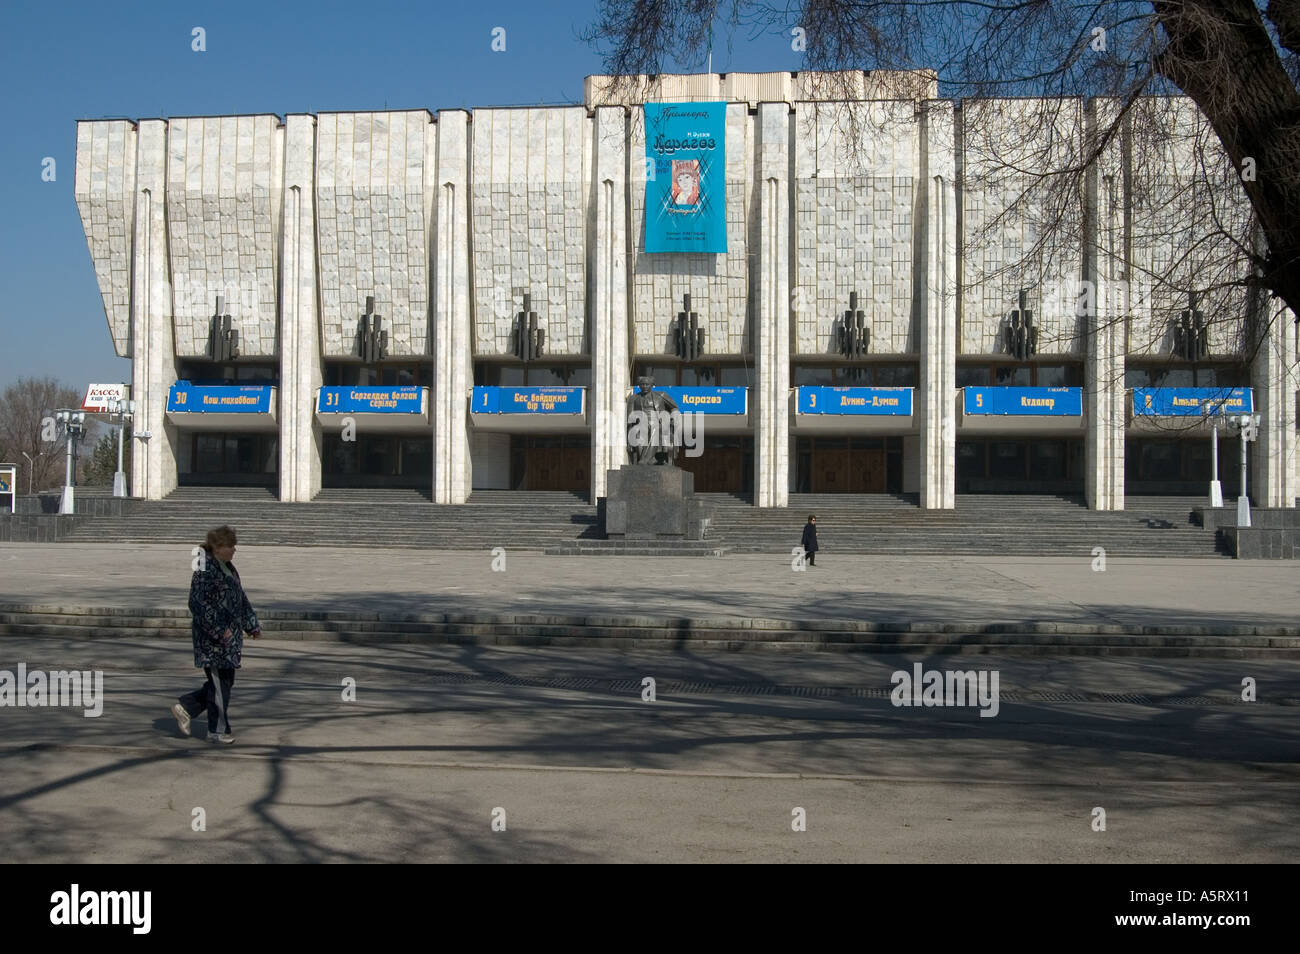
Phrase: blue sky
(60,62)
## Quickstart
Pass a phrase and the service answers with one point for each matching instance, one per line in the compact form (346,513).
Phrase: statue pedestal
(651,502)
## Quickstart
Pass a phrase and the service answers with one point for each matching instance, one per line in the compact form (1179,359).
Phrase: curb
(34,620)
(681,624)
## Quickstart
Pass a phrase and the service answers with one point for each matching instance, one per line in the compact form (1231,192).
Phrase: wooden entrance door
(542,468)
(848,471)
(716,470)
(830,471)
(558,468)
(867,472)
(575,468)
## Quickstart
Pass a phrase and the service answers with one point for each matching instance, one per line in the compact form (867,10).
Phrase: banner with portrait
(686,168)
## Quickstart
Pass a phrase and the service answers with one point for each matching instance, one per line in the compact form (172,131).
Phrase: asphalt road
(582,769)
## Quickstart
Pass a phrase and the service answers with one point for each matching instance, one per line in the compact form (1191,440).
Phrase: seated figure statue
(654,425)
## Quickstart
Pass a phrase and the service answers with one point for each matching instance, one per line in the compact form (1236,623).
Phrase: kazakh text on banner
(819,399)
(1053,402)
(489,399)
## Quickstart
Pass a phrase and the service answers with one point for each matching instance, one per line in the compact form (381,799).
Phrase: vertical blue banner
(685,188)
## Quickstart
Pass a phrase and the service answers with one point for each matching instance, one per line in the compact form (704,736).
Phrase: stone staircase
(564,523)
(673,633)
(1007,525)
(352,518)
(596,547)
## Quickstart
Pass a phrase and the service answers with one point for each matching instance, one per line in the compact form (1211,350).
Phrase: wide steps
(598,547)
(564,523)
(638,632)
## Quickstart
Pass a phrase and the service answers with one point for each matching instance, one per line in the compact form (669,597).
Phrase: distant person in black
(810,540)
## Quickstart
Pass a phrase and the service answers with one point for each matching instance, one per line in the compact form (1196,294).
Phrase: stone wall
(719,285)
(528,203)
(1020,228)
(855,169)
(105,193)
(1183,230)
(223,228)
(38,528)
(374,218)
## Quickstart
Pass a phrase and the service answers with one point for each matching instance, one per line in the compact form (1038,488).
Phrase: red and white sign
(98,396)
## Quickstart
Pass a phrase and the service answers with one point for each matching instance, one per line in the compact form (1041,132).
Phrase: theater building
(464,300)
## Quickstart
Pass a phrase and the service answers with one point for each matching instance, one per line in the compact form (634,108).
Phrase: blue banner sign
(541,400)
(405,399)
(686,172)
(220,398)
(1188,402)
(817,399)
(1054,402)
(709,400)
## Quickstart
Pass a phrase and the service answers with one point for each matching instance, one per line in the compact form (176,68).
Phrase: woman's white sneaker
(182,718)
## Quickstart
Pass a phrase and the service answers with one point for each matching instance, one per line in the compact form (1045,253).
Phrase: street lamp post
(73,425)
(119,412)
(31,469)
(1248,427)
(1216,488)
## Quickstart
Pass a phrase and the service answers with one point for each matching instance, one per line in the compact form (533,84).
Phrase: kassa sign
(98,396)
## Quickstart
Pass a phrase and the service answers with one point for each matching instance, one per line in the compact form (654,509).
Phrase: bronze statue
(654,425)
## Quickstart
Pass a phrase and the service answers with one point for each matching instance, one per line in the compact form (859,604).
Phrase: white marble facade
(374,221)
(528,211)
(448,218)
(223,228)
(854,220)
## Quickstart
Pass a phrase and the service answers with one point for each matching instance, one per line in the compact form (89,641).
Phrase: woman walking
(222,614)
(810,540)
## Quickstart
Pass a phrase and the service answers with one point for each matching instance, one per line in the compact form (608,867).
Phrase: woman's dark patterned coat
(810,537)
(219,604)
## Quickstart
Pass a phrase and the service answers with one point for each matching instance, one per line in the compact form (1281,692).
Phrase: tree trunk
(1221,55)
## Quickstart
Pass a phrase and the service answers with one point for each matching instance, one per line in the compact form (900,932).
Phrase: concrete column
(302,368)
(452,340)
(609,290)
(772,333)
(153,368)
(1273,482)
(936,305)
(1103,303)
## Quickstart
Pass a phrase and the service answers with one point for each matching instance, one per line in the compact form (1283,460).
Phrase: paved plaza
(583,767)
(978,590)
